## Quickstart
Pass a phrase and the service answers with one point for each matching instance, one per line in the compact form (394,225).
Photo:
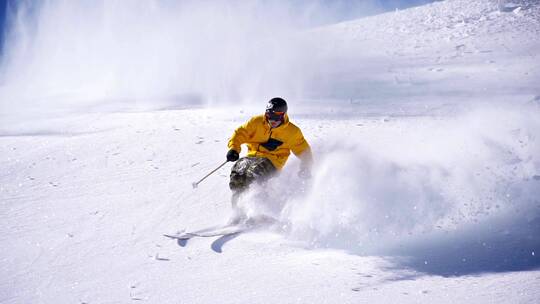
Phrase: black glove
(232,155)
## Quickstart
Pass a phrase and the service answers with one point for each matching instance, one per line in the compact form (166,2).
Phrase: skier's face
(275,118)
(274,123)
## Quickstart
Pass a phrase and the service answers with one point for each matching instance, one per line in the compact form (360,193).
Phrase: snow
(424,127)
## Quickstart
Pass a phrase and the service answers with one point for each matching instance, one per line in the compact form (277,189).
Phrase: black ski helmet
(276,104)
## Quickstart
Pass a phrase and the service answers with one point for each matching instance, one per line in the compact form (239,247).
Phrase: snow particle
(532,253)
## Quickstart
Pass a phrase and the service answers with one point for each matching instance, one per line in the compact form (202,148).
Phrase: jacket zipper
(269,136)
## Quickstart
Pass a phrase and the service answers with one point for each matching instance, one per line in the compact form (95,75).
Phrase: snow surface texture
(425,189)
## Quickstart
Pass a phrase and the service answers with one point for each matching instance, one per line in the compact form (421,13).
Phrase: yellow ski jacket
(275,144)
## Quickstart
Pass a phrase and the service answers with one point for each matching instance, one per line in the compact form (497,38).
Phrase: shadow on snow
(494,247)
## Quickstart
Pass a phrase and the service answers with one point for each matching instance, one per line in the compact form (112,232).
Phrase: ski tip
(178,237)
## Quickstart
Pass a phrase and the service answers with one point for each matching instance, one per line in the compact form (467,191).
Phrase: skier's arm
(302,150)
(242,135)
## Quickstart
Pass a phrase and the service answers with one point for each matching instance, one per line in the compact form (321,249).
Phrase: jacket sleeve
(242,135)
(301,149)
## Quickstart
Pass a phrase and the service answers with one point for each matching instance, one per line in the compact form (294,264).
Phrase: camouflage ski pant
(249,169)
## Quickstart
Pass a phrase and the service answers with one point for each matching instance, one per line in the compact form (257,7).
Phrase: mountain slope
(454,48)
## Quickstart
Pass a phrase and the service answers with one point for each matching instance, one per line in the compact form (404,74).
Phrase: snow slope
(455,49)
(425,130)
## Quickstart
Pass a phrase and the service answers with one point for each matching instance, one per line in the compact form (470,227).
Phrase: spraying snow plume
(144,50)
(153,53)
(408,180)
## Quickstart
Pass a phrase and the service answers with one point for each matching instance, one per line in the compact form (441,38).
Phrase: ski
(223,231)
(233,227)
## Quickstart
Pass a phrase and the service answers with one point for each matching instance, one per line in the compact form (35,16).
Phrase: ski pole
(207,175)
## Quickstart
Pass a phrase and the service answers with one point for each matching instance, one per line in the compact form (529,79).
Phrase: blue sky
(351,9)
(3,5)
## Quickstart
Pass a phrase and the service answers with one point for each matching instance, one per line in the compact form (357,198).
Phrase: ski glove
(232,155)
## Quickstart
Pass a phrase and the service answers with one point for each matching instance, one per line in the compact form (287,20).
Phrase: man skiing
(270,138)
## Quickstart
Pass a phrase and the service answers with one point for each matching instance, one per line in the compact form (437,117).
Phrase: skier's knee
(238,182)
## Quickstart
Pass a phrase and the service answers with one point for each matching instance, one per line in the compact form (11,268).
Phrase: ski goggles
(275,115)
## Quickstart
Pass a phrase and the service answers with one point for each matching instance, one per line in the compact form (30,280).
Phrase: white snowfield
(425,128)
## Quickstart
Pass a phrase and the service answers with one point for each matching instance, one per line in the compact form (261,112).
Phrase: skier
(270,138)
